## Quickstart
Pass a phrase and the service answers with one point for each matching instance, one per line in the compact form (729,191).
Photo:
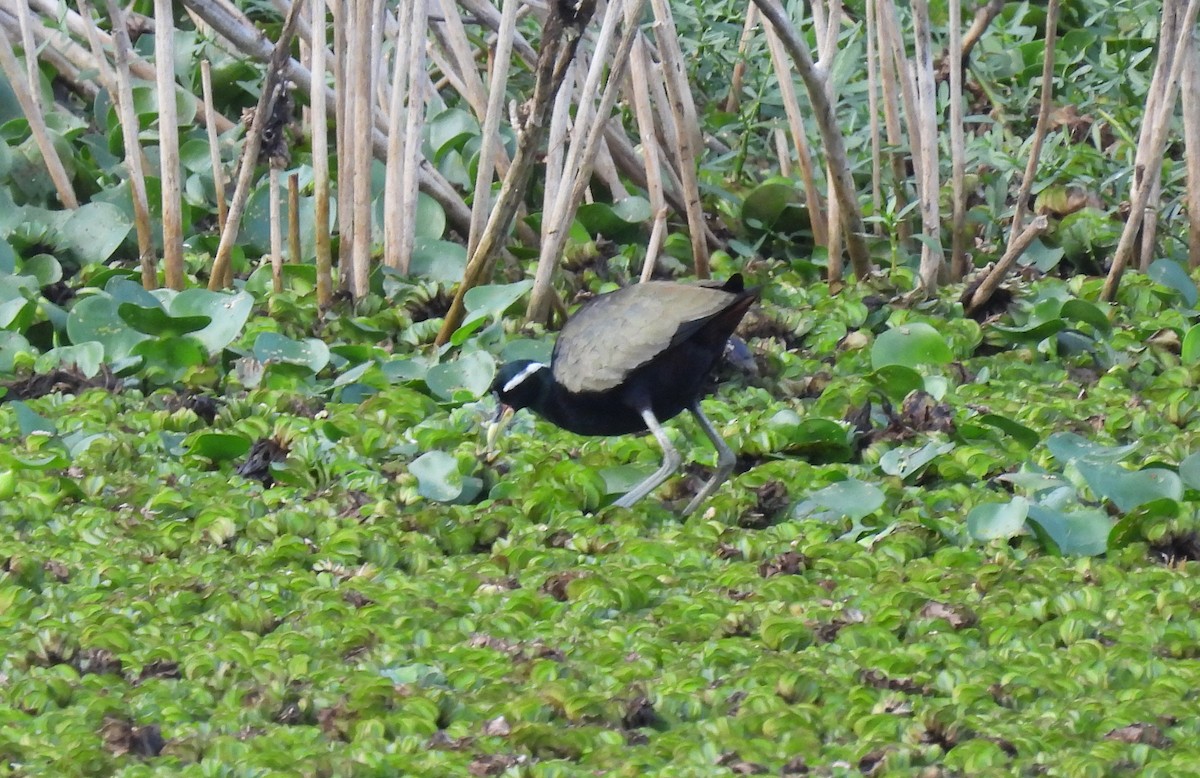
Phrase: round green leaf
(1189,471)
(620,221)
(11,345)
(904,462)
(438,260)
(271,347)
(910,345)
(851,498)
(1129,488)
(896,381)
(95,230)
(156,321)
(8,258)
(1067,446)
(1172,275)
(44,267)
(85,356)
(1017,431)
(998,519)
(219,446)
(1190,353)
(1083,532)
(1084,311)
(95,318)
(227,312)
(437,474)
(776,204)
(472,371)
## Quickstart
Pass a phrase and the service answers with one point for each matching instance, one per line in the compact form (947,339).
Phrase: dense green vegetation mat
(223,580)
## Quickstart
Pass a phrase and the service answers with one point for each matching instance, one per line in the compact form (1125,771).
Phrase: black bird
(628,361)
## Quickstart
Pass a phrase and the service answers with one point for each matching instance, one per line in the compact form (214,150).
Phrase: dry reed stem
(491,151)
(168,144)
(294,218)
(37,123)
(1191,140)
(687,130)
(122,50)
(819,218)
(835,149)
(1015,249)
(214,145)
(250,149)
(560,38)
(958,153)
(932,257)
(1154,157)
(320,159)
(276,229)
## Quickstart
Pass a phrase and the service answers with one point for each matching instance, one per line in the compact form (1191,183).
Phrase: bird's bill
(504,414)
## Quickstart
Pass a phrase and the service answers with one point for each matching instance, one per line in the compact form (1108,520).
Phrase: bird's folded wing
(614,334)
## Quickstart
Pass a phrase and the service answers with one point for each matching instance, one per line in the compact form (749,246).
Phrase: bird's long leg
(725,460)
(671,462)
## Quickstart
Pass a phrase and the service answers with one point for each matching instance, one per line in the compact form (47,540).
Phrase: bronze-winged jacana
(629,360)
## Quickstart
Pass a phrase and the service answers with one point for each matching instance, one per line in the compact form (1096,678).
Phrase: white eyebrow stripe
(529,370)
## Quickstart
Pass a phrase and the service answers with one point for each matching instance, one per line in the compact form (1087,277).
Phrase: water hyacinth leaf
(621,478)
(910,345)
(851,498)
(352,375)
(156,321)
(998,520)
(527,348)
(621,221)
(310,353)
(1041,256)
(227,312)
(438,260)
(169,359)
(8,257)
(1190,352)
(896,381)
(94,231)
(399,370)
(1017,431)
(95,318)
(85,357)
(17,314)
(1033,482)
(776,204)
(1172,275)
(437,475)
(1128,489)
(44,267)
(124,289)
(12,344)
(1033,332)
(472,371)
(904,462)
(1082,532)
(219,446)
(1130,527)
(1067,447)
(30,421)
(1087,312)
(78,442)
(493,299)
(1189,471)
(821,439)
(22,287)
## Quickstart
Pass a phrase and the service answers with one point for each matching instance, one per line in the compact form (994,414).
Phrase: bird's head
(519,384)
